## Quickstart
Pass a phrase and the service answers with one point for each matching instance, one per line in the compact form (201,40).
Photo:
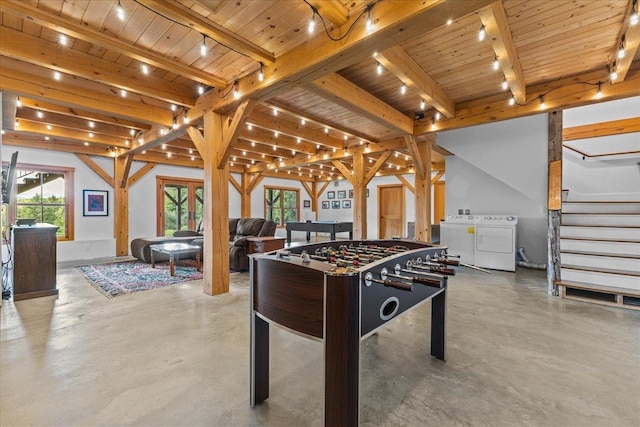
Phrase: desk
(265,244)
(320,227)
(174,250)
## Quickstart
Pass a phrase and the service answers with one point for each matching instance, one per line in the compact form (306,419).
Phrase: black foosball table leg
(438,325)
(259,360)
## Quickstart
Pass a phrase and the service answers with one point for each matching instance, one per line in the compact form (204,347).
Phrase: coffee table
(174,250)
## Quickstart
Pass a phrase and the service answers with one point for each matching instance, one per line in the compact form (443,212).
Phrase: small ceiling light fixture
(317,146)
(422,104)
(633,18)
(438,115)
(132,131)
(120,11)
(621,51)
(18,102)
(326,130)
(91,124)
(63,40)
(599,92)
(57,75)
(126,142)
(542,104)
(203,46)
(449,21)
(168,155)
(49,128)
(40,114)
(185,119)
(482,33)
(275,112)
(298,140)
(190,150)
(403,89)
(379,68)
(164,146)
(345,137)
(200,90)
(505,85)
(253,143)
(261,73)
(244,153)
(276,133)
(145,69)
(312,22)
(496,63)
(123,93)
(174,107)
(614,72)
(361,142)
(86,144)
(175,124)
(512,101)
(90,133)
(303,122)
(140,140)
(369,23)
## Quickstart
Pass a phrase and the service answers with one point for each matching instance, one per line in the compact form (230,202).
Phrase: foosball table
(340,293)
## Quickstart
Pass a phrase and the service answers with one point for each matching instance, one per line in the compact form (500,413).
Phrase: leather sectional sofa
(239,230)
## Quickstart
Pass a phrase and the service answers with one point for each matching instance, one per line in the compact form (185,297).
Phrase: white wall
(501,168)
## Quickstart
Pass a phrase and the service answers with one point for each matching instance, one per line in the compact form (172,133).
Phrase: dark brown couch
(239,230)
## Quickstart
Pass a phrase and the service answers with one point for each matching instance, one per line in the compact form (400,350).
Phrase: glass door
(180,205)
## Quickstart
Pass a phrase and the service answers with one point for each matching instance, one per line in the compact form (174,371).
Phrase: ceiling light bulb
(614,74)
(174,125)
(599,92)
(123,93)
(91,124)
(249,126)
(505,85)
(437,115)
(345,137)
(422,104)
(621,52)
(145,69)
(275,112)
(298,140)
(482,33)
(449,21)
(185,119)
(132,132)
(40,114)
(276,134)
(496,63)
(512,101)
(56,75)
(49,128)
(312,23)
(542,104)
(303,122)
(633,18)
(164,146)
(86,144)
(261,73)
(120,11)
(173,107)
(18,102)
(403,89)
(379,68)
(326,130)
(90,134)
(203,46)
(63,40)
(200,90)
(369,24)
(244,153)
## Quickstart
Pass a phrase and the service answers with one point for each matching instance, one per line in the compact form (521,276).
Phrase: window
(44,193)
(281,204)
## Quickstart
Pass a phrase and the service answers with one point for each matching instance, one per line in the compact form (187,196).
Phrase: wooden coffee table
(174,250)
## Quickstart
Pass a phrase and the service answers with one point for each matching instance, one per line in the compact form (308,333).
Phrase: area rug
(122,278)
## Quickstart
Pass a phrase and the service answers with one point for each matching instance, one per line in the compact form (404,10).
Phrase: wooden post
(121,205)
(554,201)
(359,197)
(423,193)
(245,196)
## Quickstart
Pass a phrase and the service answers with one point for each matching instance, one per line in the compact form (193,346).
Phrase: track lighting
(261,72)
(482,33)
(496,63)
(120,11)
(203,46)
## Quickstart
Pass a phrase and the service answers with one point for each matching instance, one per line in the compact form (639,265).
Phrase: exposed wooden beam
(96,169)
(406,183)
(436,177)
(156,137)
(396,22)
(235,184)
(401,65)
(560,94)
(333,10)
(126,168)
(30,141)
(231,131)
(341,91)
(615,127)
(346,173)
(66,94)
(38,128)
(494,19)
(631,42)
(37,51)
(412,146)
(375,168)
(257,179)
(220,34)
(73,29)
(140,173)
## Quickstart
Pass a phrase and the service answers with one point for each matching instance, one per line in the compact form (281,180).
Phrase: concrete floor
(175,356)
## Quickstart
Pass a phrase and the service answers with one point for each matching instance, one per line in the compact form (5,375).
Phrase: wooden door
(390,211)
(438,202)
(180,204)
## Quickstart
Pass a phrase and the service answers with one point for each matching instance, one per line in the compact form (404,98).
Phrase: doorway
(180,204)
(438,201)
(390,211)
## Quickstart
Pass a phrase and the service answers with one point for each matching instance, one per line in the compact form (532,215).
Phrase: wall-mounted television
(9,178)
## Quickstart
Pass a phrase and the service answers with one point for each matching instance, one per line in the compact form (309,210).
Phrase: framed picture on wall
(331,194)
(95,203)
(346,204)
(325,204)
(342,194)
(351,194)
(335,204)
(306,203)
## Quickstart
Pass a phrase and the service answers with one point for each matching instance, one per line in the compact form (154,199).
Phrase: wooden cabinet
(265,244)
(34,260)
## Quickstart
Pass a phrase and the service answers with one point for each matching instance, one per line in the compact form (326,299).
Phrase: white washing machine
(457,233)
(495,242)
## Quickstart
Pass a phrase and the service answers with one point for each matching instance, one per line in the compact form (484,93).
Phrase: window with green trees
(46,195)
(281,204)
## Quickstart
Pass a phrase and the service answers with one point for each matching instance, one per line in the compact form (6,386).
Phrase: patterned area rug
(121,278)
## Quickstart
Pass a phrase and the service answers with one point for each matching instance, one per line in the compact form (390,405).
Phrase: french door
(180,204)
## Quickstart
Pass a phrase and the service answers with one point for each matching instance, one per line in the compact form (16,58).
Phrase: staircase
(600,252)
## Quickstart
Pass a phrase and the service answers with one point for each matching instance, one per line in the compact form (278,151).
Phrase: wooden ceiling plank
(34,50)
(97,169)
(217,32)
(399,63)
(494,19)
(614,127)
(140,173)
(341,91)
(396,23)
(418,164)
(375,168)
(231,131)
(75,30)
(333,10)
(42,88)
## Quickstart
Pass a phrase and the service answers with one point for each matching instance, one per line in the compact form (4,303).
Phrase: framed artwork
(342,194)
(306,203)
(346,204)
(331,194)
(95,203)
(351,194)
(325,204)
(335,204)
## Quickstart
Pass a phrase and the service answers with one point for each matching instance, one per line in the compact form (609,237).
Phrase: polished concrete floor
(176,357)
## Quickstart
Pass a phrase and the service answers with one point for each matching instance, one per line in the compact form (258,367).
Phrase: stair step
(598,261)
(605,233)
(605,207)
(624,248)
(605,295)
(601,219)
(611,278)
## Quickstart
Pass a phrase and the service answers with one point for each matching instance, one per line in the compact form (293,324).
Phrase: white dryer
(495,242)
(456,232)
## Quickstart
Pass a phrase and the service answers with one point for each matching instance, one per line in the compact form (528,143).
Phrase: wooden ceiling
(130,86)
